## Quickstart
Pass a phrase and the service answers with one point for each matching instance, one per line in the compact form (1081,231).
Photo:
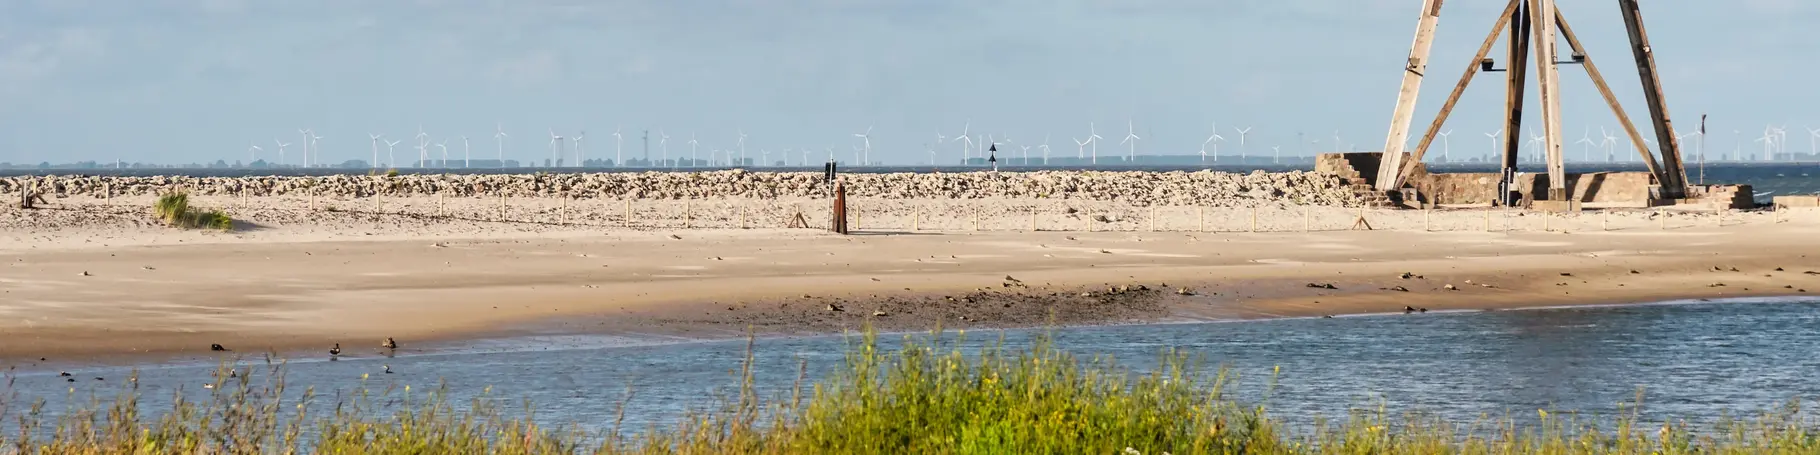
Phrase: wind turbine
(253,152)
(967,142)
(1446,149)
(444,145)
(663,142)
(618,156)
(1080,148)
(939,139)
(500,137)
(764,156)
(1045,148)
(467,153)
(805,159)
(1131,137)
(742,145)
(1243,132)
(1536,140)
(578,157)
(1813,141)
(1610,144)
(692,157)
(281,146)
(306,146)
(1093,138)
(865,158)
(1216,146)
(375,137)
(310,158)
(555,146)
(1494,143)
(423,146)
(1276,154)
(391,156)
(1586,145)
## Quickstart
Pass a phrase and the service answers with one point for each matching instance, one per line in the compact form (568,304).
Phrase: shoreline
(156,294)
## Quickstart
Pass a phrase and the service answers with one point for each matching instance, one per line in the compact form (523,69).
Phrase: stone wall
(1595,187)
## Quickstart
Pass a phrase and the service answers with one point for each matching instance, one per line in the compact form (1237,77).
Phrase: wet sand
(97,291)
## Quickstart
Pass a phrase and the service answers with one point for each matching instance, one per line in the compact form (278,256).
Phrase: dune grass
(174,210)
(929,397)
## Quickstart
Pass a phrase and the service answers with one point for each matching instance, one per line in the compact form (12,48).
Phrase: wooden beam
(1391,163)
(1611,99)
(1674,175)
(1517,69)
(1549,93)
(1472,69)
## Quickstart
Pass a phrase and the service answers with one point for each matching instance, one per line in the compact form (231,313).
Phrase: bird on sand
(335,351)
(389,343)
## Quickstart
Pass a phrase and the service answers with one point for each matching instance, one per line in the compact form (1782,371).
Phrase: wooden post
(689,214)
(916,219)
(976,219)
(1032,218)
(1152,218)
(1605,220)
(1307,219)
(1545,222)
(1487,218)
(502,206)
(742,216)
(1662,217)
(855,209)
(562,210)
(1254,218)
(1426,224)
(442,203)
(109,188)
(839,223)
(312,191)
(379,199)
(628,220)
(1200,219)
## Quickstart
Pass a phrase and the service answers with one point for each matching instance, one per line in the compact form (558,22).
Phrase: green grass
(174,210)
(925,398)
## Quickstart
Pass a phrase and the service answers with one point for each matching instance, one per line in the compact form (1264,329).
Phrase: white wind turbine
(619,159)
(390,155)
(578,155)
(804,161)
(967,146)
(1493,153)
(253,152)
(764,156)
(692,147)
(306,146)
(281,146)
(1446,149)
(1213,139)
(1610,144)
(742,146)
(1276,154)
(939,139)
(1045,148)
(1093,140)
(467,153)
(865,158)
(1243,132)
(1131,137)
(663,142)
(926,148)
(1080,148)
(500,138)
(1813,141)
(375,137)
(1536,141)
(444,145)
(555,147)
(423,146)
(1586,143)
(310,159)
(1769,143)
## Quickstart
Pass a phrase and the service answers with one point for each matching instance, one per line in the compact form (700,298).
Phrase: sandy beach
(98,278)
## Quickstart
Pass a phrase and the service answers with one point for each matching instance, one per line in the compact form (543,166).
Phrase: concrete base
(1796,201)
(1556,206)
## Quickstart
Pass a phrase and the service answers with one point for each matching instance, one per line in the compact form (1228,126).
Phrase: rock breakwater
(1205,188)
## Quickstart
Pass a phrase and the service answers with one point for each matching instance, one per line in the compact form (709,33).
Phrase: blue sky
(194,80)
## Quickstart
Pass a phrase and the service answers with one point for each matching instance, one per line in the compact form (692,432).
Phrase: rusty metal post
(839,223)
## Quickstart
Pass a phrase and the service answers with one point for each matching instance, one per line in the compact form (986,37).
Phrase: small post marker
(1662,219)
(1152,218)
(1254,218)
(742,216)
(855,210)
(562,209)
(916,219)
(1426,224)
(441,203)
(976,219)
(688,213)
(1360,222)
(1605,220)
(1200,219)
(502,206)
(1487,218)
(1545,222)
(1307,219)
(628,220)
(1033,218)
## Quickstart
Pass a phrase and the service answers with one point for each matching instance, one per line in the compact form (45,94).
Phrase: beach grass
(931,396)
(174,210)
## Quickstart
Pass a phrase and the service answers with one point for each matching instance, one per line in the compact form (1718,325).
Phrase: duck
(388,369)
(389,343)
(208,386)
(217,347)
(63,374)
(1408,309)
(335,351)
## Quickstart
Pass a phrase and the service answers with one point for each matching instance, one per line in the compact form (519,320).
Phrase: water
(1696,361)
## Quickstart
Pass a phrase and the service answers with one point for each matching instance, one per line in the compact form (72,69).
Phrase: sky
(173,81)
